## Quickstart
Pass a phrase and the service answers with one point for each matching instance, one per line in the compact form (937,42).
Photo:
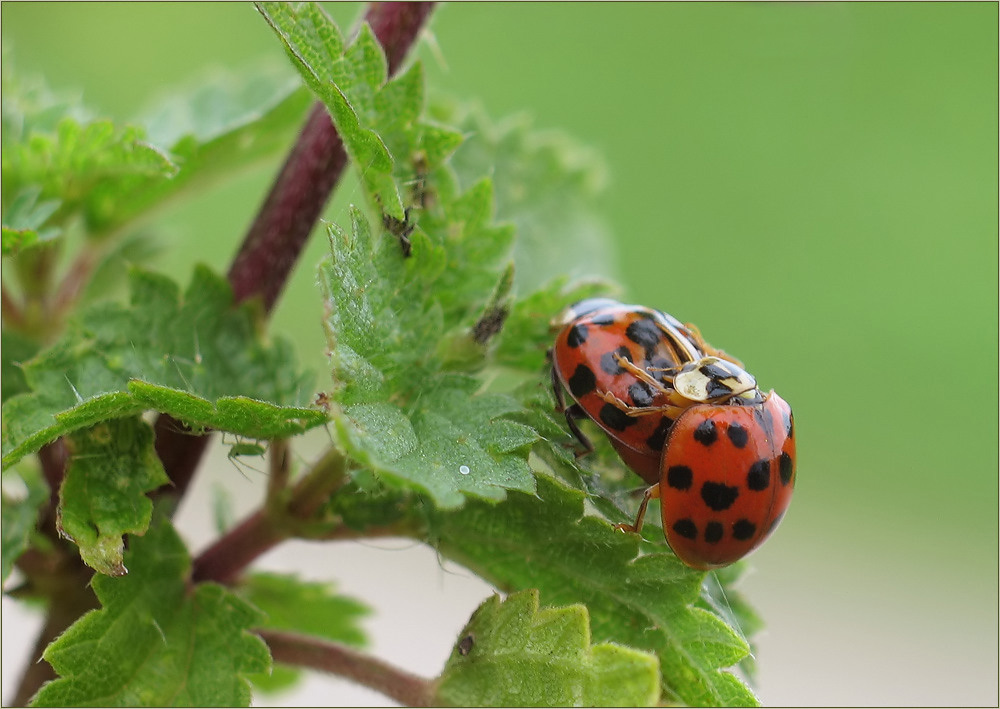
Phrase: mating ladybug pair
(719,453)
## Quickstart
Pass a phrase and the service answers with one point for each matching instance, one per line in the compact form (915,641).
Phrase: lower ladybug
(726,478)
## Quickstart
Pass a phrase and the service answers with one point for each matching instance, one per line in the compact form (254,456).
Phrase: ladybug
(726,478)
(687,418)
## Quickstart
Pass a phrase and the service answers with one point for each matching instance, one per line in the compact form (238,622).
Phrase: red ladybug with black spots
(687,418)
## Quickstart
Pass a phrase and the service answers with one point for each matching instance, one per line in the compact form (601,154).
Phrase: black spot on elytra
(713,532)
(714,371)
(614,418)
(759,476)
(738,435)
(644,333)
(744,529)
(679,477)
(786,468)
(640,393)
(582,382)
(706,433)
(659,436)
(605,319)
(686,528)
(577,335)
(663,369)
(719,496)
(717,388)
(610,364)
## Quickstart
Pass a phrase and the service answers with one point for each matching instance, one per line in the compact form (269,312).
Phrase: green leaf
(528,331)
(14,349)
(546,184)
(60,162)
(225,123)
(155,641)
(455,442)
(103,497)
(646,601)
(405,413)
(86,167)
(22,494)
(346,80)
(306,608)
(192,355)
(24,218)
(513,654)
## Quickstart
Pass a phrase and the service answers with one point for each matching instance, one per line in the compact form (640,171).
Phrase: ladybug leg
(573,413)
(640,373)
(557,389)
(651,493)
(668,409)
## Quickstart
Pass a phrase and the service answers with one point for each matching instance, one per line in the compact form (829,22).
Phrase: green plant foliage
(111,466)
(155,641)
(60,163)
(23,493)
(546,184)
(544,541)
(191,355)
(437,321)
(339,75)
(23,220)
(513,654)
(305,608)
(385,330)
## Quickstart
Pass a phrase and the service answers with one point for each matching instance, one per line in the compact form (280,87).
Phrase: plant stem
(278,234)
(407,689)
(62,579)
(226,558)
(231,553)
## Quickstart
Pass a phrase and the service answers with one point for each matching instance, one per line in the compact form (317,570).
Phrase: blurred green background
(814,185)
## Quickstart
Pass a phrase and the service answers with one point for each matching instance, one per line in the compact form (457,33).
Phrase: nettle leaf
(225,123)
(192,355)
(23,220)
(306,608)
(646,601)
(405,413)
(155,641)
(529,332)
(110,469)
(445,448)
(87,167)
(59,161)
(346,80)
(14,349)
(547,185)
(513,654)
(21,496)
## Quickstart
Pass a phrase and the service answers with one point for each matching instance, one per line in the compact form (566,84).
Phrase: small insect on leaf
(401,229)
